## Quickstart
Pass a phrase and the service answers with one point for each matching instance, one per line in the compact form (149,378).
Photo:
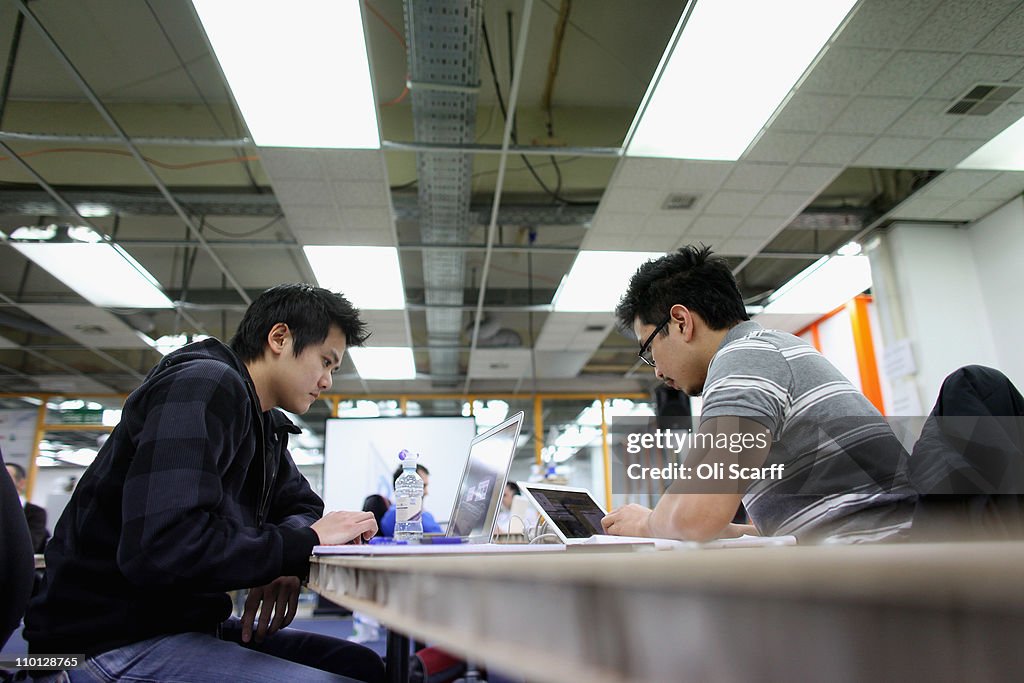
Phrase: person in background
(387,522)
(514,521)
(845,471)
(195,494)
(34,514)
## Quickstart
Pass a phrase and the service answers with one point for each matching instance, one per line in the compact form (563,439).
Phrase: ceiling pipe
(127,141)
(506,140)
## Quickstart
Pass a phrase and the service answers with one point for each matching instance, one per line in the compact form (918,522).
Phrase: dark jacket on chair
(193,494)
(36,518)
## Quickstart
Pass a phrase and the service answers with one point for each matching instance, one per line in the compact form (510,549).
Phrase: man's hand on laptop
(629,520)
(339,528)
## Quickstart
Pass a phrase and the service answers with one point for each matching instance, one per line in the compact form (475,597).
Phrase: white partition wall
(360,455)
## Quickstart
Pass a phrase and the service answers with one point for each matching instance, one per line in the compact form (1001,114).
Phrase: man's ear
(682,318)
(278,338)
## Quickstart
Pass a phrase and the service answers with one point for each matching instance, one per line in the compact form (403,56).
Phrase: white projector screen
(361,454)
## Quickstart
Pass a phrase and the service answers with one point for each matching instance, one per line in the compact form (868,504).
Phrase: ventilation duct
(444,39)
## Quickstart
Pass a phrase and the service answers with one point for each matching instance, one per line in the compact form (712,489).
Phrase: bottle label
(408,509)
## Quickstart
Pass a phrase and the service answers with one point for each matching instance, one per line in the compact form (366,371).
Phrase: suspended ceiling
(862,140)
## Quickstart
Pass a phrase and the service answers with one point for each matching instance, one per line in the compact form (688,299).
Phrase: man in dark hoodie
(195,494)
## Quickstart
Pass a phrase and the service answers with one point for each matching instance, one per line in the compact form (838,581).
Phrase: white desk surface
(841,613)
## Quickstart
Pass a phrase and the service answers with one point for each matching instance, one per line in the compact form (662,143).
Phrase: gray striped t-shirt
(845,474)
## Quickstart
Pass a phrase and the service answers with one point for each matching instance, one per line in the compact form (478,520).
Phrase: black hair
(19,471)
(690,276)
(420,469)
(516,491)
(308,312)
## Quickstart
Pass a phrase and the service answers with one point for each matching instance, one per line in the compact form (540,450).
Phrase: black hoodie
(193,494)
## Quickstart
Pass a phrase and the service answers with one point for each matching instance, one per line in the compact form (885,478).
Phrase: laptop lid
(483,480)
(573,513)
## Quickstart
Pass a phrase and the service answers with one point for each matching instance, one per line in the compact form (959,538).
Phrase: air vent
(982,100)
(88,328)
(595,328)
(679,202)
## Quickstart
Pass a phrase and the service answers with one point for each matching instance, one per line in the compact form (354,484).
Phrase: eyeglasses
(645,351)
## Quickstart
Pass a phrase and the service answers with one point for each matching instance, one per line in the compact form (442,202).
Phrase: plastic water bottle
(408,500)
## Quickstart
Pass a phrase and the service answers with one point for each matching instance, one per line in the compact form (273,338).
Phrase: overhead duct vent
(982,100)
(677,201)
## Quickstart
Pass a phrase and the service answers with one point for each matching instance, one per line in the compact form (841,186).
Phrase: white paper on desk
(441,549)
(748,541)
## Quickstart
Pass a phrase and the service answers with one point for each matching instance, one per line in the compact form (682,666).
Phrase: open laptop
(483,480)
(477,501)
(575,517)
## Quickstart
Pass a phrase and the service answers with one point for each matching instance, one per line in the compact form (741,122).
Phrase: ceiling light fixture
(1004,152)
(369,277)
(729,65)
(598,279)
(823,287)
(100,271)
(298,70)
(384,362)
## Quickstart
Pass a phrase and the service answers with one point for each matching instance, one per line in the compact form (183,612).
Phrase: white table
(840,613)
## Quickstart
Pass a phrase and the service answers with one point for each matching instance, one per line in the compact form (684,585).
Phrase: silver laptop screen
(480,492)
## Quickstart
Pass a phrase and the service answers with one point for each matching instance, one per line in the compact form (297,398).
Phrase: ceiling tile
(844,70)
(306,216)
(972,70)
(499,363)
(308,192)
(892,152)
(700,175)
(668,223)
(349,164)
(648,242)
(779,147)
(694,238)
(606,221)
(988,126)
(359,193)
(356,218)
(1004,186)
(870,115)
(803,178)
(288,163)
(921,209)
(836,149)
(759,227)
(719,226)
(367,238)
(910,73)
(88,325)
(754,176)
(1006,36)
(560,364)
(730,203)
(808,112)
(924,118)
(959,25)
(884,24)
(956,184)
(645,172)
(390,328)
(970,210)
(945,153)
(632,199)
(608,242)
(783,204)
(740,246)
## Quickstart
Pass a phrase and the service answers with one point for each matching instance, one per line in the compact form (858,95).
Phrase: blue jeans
(288,655)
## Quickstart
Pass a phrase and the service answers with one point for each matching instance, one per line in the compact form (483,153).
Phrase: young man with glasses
(842,470)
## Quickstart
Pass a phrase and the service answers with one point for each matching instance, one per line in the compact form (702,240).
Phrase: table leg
(397,660)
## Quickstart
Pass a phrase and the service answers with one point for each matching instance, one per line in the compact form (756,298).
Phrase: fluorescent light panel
(369,277)
(732,65)
(823,287)
(598,279)
(1004,152)
(386,362)
(298,70)
(104,274)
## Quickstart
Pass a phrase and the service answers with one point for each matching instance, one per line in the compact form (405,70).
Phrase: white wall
(951,290)
(997,244)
